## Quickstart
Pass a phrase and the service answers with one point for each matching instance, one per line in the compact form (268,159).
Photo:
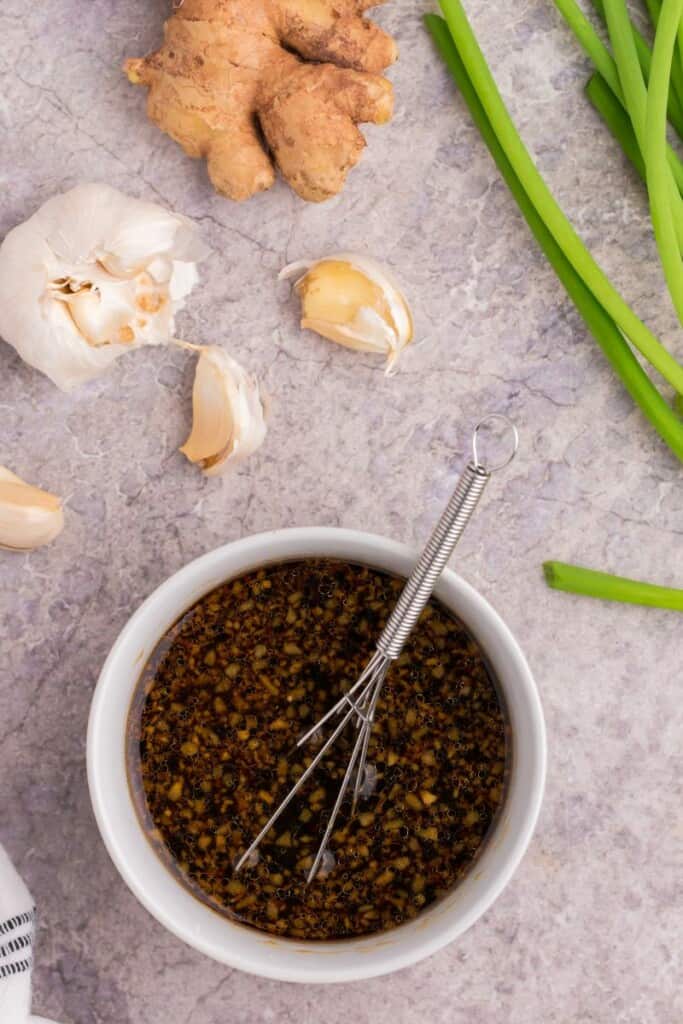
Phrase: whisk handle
(420,586)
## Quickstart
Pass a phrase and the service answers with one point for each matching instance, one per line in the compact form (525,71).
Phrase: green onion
(654,8)
(675,108)
(616,119)
(628,66)
(592,44)
(604,63)
(665,198)
(618,122)
(575,580)
(677,66)
(601,325)
(546,205)
(662,204)
(634,64)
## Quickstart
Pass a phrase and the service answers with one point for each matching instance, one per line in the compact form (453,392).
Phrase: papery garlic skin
(229,421)
(91,275)
(29,517)
(354,301)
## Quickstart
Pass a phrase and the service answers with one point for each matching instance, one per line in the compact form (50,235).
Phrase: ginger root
(227,85)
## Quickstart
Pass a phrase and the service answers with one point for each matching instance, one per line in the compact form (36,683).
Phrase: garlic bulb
(228,413)
(29,517)
(91,275)
(353,301)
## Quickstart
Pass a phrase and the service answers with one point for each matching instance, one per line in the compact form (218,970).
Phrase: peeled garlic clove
(353,300)
(29,517)
(228,413)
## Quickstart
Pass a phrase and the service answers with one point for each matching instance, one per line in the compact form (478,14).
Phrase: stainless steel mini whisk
(360,702)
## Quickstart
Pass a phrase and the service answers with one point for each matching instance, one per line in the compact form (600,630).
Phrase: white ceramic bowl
(235,944)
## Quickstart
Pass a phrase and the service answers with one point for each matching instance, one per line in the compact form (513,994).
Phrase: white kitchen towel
(17,928)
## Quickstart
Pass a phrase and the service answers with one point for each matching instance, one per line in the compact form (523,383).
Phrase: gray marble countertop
(590,928)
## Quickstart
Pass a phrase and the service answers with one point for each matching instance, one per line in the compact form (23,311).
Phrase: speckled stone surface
(590,928)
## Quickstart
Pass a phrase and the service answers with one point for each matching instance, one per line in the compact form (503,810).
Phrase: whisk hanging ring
(494,417)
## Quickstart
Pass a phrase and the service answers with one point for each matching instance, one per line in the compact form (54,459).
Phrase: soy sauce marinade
(212,751)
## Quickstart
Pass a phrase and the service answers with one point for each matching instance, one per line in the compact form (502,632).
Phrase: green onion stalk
(654,8)
(665,199)
(604,63)
(534,200)
(675,108)
(616,119)
(575,580)
(545,203)
(662,202)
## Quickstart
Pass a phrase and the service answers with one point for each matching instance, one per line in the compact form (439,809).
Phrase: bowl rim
(316,966)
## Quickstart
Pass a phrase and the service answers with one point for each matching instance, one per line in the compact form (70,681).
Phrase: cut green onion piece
(603,328)
(654,149)
(574,580)
(545,203)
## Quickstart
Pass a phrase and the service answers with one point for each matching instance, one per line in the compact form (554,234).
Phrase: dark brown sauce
(212,751)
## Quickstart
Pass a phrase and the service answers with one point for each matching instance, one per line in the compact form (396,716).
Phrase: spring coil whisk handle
(448,532)
(440,547)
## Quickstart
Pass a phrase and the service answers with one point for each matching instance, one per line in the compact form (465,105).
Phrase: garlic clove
(368,332)
(228,413)
(29,517)
(353,301)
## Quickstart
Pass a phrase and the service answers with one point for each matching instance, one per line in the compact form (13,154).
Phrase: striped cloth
(17,929)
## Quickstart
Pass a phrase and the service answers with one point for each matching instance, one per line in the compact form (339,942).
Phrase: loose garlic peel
(228,413)
(92,274)
(352,300)
(29,517)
